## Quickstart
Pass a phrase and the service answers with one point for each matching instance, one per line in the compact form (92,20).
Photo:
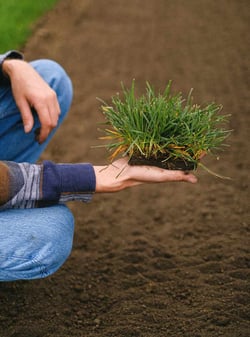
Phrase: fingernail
(26,128)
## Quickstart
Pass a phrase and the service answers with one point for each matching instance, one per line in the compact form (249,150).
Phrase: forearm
(28,185)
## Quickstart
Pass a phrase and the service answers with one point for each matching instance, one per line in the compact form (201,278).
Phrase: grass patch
(17,18)
(162,125)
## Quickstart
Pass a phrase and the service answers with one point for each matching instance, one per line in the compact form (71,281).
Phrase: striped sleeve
(27,185)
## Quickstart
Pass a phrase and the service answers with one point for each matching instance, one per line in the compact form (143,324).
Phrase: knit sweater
(24,185)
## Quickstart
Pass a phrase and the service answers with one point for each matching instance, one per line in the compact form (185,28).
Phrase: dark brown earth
(158,260)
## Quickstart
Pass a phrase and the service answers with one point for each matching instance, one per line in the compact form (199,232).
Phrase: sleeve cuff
(67,179)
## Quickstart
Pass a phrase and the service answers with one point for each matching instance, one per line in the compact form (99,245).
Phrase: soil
(155,260)
(163,161)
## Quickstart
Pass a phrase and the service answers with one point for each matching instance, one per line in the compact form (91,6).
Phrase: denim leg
(34,243)
(15,145)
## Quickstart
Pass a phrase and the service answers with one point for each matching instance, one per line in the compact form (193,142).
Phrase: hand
(30,91)
(120,175)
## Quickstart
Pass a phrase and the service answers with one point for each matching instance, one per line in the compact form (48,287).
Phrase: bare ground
(155,261)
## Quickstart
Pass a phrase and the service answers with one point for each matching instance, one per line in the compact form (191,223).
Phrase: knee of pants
(58,80)
(15,144)
(40,249)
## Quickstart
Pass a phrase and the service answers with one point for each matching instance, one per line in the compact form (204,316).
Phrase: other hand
(30,91)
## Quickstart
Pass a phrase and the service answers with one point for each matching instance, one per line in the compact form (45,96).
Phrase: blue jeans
(34,243)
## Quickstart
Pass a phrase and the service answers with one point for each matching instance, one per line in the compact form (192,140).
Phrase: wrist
(110,178)
(9,66)
(6,67)
(11,55)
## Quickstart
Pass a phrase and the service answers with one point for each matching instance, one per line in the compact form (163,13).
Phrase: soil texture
(157,260)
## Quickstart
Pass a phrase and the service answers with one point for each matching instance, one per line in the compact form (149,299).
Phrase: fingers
(26,114)
(48,114)
(162,175)
(153,174)
(48,123)
(188,177)
(47,119)
(150,174)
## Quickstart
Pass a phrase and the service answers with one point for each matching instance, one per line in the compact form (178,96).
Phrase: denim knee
(35,243)
(17,146)
(57,243)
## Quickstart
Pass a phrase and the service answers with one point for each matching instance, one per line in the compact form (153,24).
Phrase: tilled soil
(156,260)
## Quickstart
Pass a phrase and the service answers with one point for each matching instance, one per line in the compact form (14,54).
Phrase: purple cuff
(61,179)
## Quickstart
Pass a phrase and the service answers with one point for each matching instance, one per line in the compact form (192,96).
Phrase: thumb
(27,117)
